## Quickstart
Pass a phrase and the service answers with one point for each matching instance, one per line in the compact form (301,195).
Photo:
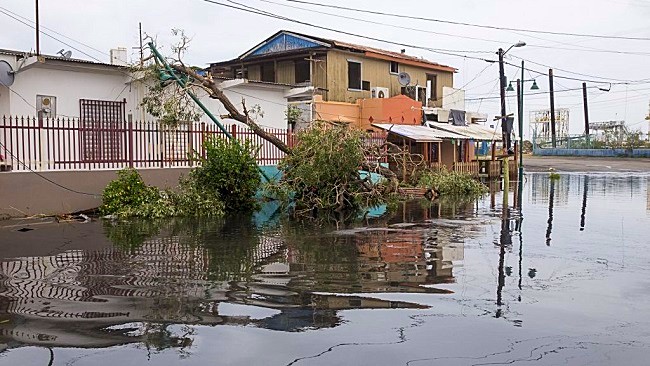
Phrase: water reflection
(551,202)
(159,278)
(583,214)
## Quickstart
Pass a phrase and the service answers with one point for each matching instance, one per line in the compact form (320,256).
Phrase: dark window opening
(268,72)
(394,67)
(241,73)
(354,75)
(365,85)
(302,71)
(432,82)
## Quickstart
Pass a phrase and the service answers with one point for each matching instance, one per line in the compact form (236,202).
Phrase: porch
(473,154)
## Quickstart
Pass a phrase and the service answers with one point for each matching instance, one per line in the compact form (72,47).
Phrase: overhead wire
(55,32)
(467,24)
(388,25)
(253,10)
(3,147)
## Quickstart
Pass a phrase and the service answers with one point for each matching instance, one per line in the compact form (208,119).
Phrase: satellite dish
(66,54)
(6,74)
(404,79)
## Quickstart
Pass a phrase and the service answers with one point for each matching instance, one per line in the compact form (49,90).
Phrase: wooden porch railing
(471,168)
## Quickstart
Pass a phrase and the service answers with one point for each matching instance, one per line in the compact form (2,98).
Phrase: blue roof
(283,42)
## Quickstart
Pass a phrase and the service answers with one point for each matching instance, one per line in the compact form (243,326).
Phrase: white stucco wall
(270,99)
(68,83)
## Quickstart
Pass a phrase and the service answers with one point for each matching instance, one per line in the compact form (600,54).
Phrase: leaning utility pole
(586,107)
(550,83)
(502,91)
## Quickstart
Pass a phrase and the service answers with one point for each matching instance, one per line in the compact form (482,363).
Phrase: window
(303,71)
(241,73)
(101,130)
(365,85)
(394,67)
(268,72)
(354,75)
(432,87)
(46,106)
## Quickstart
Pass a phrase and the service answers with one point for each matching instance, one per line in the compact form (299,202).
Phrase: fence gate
(102,131)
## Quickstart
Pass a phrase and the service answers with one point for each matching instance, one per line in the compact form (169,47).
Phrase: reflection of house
(115,296)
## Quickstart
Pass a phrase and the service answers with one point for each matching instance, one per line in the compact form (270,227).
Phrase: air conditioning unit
(378,92)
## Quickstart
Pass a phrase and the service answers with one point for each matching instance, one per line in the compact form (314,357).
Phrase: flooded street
(563,281)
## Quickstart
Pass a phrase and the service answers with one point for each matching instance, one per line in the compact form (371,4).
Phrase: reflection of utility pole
(551,198)
(585,189)
(505,240)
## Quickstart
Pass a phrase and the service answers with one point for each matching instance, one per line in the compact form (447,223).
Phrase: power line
(44,177)
(402,16)
(54,31)
(605,79)
(253,10)
(388,25)
(584,49)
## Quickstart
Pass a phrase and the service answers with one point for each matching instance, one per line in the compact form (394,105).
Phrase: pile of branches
(331,170)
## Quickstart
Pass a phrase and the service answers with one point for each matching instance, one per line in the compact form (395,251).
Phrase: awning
(419,133)
(472,131)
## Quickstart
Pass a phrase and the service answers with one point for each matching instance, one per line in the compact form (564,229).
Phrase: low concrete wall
(26,193)
(605,153)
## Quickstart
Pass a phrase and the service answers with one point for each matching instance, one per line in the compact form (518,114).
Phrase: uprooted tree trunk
(214,92)
(210,86)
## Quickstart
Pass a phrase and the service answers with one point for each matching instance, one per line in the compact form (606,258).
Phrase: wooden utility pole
(141,47)
(586,107)
(38,33)
(550,84)
(502,93)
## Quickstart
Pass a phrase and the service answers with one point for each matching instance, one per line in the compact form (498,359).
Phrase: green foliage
(226,180)
(129,196)
(452,183)
(128,193)
(322,173)
(166,100)
(230,170)
(293,114)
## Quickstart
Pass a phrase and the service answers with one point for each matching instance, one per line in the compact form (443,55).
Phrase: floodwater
(564,281)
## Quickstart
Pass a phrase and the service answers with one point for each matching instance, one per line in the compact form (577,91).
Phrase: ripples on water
(472,283)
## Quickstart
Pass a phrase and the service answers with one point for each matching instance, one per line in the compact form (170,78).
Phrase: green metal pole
(195,99)
(520,185)
(521,123)
(184,85)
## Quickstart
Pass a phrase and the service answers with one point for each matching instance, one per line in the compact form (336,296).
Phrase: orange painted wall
(399,110)
(336,111)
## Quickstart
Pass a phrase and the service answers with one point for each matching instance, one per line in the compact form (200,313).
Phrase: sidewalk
(585,164)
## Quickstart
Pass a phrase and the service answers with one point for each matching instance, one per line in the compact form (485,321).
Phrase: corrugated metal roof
(57,58)
(473,131)
(420,133)
(341,45)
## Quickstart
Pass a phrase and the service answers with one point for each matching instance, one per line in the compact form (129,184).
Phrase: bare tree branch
(215,93)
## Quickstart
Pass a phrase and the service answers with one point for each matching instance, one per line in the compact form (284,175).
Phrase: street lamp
(502,92)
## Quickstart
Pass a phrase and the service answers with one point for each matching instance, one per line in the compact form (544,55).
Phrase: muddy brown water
(564,280)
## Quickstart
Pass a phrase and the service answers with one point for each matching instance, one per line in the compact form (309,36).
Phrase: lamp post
(520,104)
(502,92)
